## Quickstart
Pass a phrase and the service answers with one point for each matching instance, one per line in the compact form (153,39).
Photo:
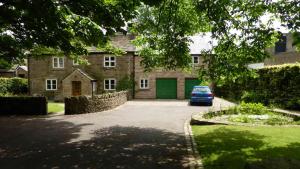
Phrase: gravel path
(137,135)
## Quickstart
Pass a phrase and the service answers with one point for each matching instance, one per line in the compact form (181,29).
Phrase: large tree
(63,25)
(163,28)
(239,28)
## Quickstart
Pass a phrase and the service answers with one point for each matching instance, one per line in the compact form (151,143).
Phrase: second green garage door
(188,86)
(166,88)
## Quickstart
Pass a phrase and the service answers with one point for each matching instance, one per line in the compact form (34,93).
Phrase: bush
(13,86)
(276,85)
(23,106)
(249,109)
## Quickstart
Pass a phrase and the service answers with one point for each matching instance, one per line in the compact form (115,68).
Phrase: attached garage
(188,86)
(166,88)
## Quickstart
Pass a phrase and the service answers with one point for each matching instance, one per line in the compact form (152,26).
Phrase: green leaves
(163,33)
(66,26)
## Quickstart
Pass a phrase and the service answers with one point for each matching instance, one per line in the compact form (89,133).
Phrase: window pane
(195,59)
(112,64)
(55,62)
(106,64)
(112,58)
(112,82)
(106,58)
(113,86)
(48,86)
(61,62)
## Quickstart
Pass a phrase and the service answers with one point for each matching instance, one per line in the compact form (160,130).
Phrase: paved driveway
(139,134)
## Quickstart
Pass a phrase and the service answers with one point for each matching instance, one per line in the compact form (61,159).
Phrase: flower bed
(248,113)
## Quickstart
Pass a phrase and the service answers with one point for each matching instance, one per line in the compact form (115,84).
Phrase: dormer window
(58,62)
(109,61)
(280,46)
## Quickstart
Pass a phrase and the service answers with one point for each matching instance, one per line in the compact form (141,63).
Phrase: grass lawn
(240,147)
(56,107)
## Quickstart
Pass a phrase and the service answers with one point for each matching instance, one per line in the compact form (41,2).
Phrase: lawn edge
(195,161)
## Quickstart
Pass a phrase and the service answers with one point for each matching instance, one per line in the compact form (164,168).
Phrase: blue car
(202,94)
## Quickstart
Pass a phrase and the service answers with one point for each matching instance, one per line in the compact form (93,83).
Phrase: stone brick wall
(98,103)
(282,58)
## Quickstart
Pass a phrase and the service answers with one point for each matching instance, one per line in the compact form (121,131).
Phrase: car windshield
(201,89)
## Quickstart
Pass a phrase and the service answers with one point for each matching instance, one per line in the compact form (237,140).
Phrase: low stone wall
(98,103)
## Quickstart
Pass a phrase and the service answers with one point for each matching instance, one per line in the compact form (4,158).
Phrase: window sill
(59,69)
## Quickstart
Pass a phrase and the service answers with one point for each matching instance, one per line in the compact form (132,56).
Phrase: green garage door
(166,88)
(188,86)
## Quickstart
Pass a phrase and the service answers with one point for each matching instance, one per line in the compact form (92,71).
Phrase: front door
(76,88)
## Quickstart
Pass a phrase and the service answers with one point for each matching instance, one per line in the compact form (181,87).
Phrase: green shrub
(13,86)
(276,85)
(241,119)
(249,109)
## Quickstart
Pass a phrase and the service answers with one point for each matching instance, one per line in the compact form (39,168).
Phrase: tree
(163,28)
(66,26)
(237,27)
(289,13)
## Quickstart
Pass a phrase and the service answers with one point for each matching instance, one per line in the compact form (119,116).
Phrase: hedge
(23,106)
(13,86)
(276,85)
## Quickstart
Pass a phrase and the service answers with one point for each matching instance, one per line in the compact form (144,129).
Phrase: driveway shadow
(42,143)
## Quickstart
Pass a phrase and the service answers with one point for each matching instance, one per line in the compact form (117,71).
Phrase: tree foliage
(64,25)
(163,29)
(239,28)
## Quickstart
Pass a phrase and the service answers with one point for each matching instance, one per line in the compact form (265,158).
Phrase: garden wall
(276,85)
(23,106)
(89,104)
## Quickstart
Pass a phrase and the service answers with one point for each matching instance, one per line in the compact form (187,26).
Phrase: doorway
(76,88)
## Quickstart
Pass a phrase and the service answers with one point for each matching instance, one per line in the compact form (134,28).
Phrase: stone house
(15,71)
(59,77)
(283,51)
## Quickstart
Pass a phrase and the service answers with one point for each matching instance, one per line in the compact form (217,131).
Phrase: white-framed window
(195,59)
(109,61)
(110,84)
(75,63)
(144,83)
(58,62)
(51,84)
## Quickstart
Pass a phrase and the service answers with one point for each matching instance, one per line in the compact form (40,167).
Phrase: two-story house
(59,77)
